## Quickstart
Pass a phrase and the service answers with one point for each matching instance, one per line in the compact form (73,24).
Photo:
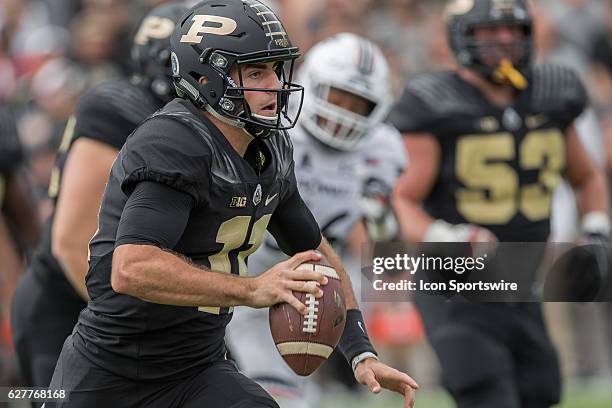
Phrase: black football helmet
(151,49)
(217,35)
(463,16)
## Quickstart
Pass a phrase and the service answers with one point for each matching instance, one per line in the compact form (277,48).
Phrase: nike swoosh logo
(269,199)
(361,327)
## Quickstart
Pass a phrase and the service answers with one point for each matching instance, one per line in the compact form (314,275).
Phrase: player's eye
(254,74)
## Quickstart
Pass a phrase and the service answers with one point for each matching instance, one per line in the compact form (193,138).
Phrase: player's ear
(203,80)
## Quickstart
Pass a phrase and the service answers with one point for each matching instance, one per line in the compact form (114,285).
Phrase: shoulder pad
(430,96)
(443,93)
(168,152)
(385,143)
(558,89)
(111,111)
(121,97)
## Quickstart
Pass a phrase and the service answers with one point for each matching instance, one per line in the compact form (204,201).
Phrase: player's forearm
(347,288)
(592,193)
(413,220)
(20,207)
(12,261)
(158,276)
(73,259)
(70,234)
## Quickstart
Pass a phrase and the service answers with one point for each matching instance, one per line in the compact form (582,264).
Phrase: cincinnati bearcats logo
(220,26)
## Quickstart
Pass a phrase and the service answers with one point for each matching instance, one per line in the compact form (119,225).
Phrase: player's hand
(278,283)
(442,231)
(481,239)
(377,375)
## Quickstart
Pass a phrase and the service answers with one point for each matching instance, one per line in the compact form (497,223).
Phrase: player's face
(499,42)
(347,101)
(263,75)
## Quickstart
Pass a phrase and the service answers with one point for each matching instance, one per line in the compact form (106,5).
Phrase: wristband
(362,357)
(355,341)
(596,223)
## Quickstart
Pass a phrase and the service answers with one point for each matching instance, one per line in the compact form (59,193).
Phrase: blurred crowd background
(52,51)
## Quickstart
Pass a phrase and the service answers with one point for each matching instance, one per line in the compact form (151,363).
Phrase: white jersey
(332,182)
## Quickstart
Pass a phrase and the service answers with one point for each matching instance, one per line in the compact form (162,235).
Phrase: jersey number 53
(493,193)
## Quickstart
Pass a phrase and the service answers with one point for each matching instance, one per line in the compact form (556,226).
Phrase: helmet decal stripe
(370,48)
(365,60)
(267,19)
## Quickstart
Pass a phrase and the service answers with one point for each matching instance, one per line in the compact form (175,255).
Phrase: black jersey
(234,202)
(499,166)
(11,153)
(107,113)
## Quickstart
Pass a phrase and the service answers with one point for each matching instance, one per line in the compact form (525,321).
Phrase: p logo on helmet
(154,27)
(459,7)
(225,26)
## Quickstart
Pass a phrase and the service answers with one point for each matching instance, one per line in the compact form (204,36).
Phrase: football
(306,341)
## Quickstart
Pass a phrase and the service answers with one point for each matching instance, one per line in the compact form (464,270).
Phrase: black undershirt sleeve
(154,214)
(294,227)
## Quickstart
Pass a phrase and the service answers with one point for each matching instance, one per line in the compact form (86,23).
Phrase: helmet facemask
(336,126)
(501,63)
(232,107)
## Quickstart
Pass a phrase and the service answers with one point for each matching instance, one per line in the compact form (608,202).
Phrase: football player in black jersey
(52,292)
(488,143)
(19,229)
(20,225)
(188,199)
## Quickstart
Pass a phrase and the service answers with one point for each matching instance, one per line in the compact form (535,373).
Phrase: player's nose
(506,34)
(272,80)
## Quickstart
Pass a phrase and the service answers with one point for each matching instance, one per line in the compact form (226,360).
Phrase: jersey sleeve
(166,151)
(155,214)
(558,91)
(411,115)
(110,112)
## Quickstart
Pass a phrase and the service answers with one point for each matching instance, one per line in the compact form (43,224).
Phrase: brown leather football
(305,342)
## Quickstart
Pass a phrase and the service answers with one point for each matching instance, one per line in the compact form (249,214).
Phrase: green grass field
(596,394)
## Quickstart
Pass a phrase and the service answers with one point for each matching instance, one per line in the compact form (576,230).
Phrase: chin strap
(507,74)
(222,118)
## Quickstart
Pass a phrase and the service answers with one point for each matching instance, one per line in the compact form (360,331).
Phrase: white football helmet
(352,64)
